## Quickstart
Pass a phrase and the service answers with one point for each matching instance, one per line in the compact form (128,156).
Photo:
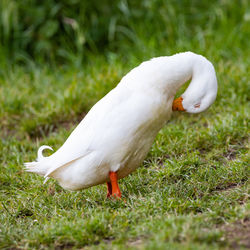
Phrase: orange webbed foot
(116,193)
(109,190)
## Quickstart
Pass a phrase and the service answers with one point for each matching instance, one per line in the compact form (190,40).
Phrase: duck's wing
(107,131)
(83,140)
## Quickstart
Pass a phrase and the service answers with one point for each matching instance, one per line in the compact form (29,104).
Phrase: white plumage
(119,130)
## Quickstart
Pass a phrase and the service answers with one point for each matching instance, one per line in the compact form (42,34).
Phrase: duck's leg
(115,188)
(109,189)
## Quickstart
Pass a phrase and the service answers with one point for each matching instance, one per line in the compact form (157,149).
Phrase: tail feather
(40,152)
(39,166)
(35,167)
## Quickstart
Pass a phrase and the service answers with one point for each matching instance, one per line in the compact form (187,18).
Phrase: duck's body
(117,133)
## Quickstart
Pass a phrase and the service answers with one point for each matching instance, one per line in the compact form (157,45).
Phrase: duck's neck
(166,74)
(185,66)
(180,69)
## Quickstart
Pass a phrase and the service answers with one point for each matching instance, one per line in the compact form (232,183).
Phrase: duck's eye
(197,105)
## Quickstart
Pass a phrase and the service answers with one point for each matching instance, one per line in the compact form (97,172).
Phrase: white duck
(115,136)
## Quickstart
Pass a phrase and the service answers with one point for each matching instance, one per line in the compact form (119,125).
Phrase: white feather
(40,152)
(119,130)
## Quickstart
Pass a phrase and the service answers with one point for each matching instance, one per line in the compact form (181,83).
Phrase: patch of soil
(162,159)
(238,234)
(135,242)
(51,190)
(24,213)
(64,246)
(229,186)
(230,154)
(234,148)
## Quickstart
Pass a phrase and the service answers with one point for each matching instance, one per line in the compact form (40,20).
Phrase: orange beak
(177,104)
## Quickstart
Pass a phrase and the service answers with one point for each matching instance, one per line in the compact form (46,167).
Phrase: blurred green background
(67,31)
(57,59)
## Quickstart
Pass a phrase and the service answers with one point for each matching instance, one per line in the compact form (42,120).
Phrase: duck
(117,133)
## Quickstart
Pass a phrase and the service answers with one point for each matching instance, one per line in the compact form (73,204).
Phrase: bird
(115,136)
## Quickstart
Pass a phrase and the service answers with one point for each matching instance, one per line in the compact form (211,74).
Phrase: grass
(193,183)
(192,190)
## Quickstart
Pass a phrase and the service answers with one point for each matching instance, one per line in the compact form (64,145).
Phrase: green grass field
(191,192)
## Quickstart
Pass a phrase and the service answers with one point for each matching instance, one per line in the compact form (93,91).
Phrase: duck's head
(200,94)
